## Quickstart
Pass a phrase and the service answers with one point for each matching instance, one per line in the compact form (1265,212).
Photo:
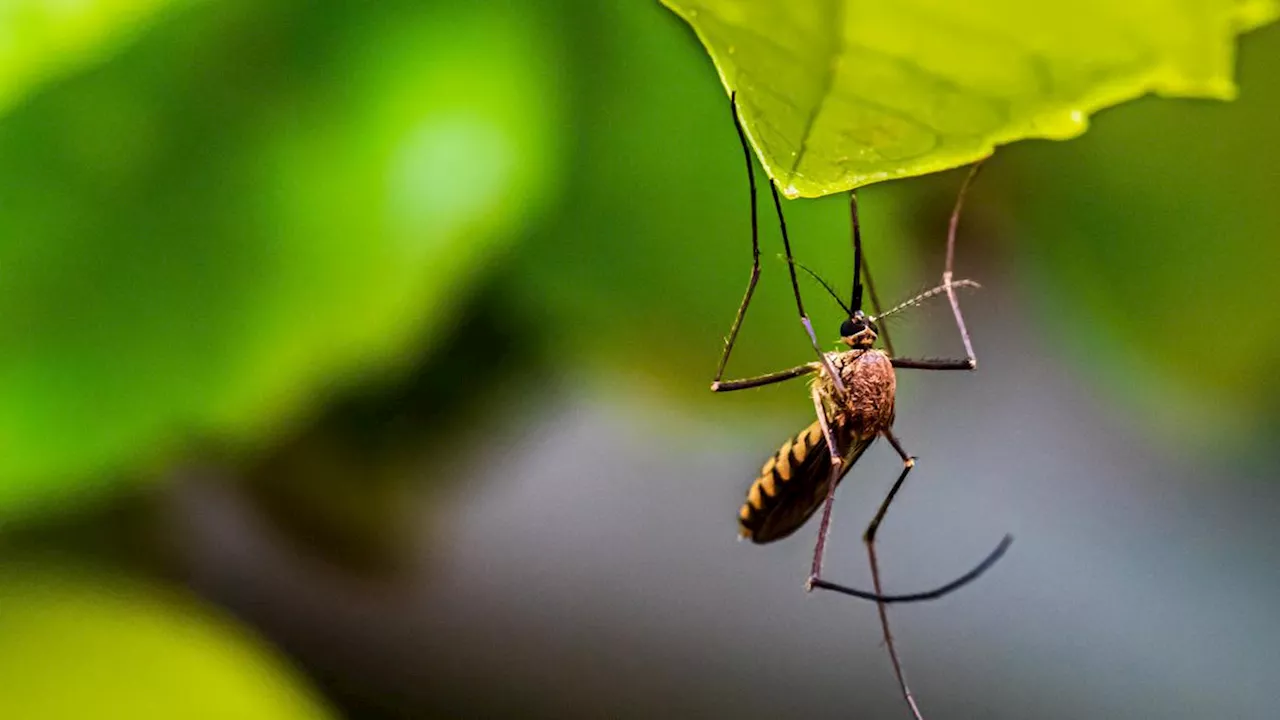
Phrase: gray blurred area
(586,564)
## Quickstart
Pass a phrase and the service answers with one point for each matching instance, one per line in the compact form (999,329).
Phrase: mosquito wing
(794,482)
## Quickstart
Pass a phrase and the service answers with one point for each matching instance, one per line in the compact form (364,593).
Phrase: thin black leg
(795,288)
(819,550)
(875,306)
(935,363)
(934,594)
(869,537)
(755,249)
(837,469)
(908,463)
(717,384)
(861,265)
(816,580)
(766,379)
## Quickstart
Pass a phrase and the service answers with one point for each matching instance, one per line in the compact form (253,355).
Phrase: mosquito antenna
(856,301)
(931,292)
(826,286)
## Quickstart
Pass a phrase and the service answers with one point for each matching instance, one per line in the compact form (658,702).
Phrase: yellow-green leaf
(85,645)
(837,94)
(42,39)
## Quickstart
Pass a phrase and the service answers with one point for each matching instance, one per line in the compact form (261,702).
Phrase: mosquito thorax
(858,331)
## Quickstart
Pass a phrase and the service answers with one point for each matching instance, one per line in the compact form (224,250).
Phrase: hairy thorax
(869,382)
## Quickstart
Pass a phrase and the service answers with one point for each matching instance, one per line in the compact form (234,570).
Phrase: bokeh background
(354,363)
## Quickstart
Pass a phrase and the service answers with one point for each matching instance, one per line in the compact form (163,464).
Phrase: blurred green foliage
(84,645)
(342,238)
(251,201)
(1153,241)
(42,40)
(843,93)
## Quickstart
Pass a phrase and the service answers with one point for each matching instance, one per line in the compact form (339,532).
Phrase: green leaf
(641,283)
(80,645)
(205,234)
(1152,241)
(838,94)
(41,39)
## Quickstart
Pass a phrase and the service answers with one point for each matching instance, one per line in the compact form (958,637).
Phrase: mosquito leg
(875,306)
(968,363)
(795,288)
(755,268)
(860,266)
(824,528)
(933,594)
(820,409)
(955,217)
(947,272)
(755,248)
(766,379)
(869,537)
(908,463)
(949,285)
(837,469)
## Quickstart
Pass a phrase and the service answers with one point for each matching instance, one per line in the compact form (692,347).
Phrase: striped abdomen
(793,483)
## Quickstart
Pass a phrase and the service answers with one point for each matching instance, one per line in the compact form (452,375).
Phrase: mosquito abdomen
(792,463)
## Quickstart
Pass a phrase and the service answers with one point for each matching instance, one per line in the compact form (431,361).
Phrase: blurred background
(354,364)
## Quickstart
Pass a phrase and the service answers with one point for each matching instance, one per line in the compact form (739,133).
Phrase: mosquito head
(858,331)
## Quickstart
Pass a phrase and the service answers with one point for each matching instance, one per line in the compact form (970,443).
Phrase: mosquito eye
(847,328)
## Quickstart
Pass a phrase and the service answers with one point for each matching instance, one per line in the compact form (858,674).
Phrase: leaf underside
(837,94)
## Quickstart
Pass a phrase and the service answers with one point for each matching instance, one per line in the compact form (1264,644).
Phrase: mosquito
(853,393)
